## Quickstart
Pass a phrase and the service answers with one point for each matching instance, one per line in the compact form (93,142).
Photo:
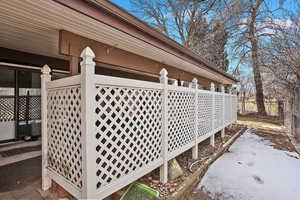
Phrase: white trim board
(32,67)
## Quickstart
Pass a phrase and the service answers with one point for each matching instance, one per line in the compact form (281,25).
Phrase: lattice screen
(128,131)
(227,109)
(64,134)
(181,119)
(29,107)
(7,104)
(231,107)
(218,111)
(204,113)
(234,108)
(22,108)
(35,107)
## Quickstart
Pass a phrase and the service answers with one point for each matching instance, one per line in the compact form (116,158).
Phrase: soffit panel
(41,20)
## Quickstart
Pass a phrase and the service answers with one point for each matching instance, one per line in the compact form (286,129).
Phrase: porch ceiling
(33,26)
(24,38)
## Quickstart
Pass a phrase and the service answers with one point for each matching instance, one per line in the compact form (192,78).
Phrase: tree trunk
(257,79)
(244,102)
(280,110)
(254,48)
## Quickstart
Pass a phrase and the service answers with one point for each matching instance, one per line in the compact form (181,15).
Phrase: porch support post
(45,77)
(87,134)
(164,167)
(223,130)
(212,137)
(195,148)
(74,65)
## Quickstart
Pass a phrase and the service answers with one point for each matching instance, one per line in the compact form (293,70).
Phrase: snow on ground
(253,170)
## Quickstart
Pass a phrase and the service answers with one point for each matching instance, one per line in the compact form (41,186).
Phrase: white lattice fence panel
(128,131)
(181,119)
(204,113)
(64,134)
(218,123)
(230,109)
(227,109)
(234,108)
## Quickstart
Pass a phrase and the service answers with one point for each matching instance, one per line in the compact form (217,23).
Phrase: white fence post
(223,130)
(164,167)
(45,77)
(195,148)
(87,124)
(212,137)
(230,106)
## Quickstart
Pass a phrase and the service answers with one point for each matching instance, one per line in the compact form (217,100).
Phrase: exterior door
(20,104)
(28,104)
(7,104)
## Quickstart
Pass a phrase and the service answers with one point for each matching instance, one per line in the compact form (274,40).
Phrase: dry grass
(252,123)
(254,120)
(250,107)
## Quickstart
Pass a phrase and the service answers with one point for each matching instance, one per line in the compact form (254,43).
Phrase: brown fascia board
(118,18)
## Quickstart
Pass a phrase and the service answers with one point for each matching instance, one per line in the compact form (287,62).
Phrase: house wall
(100,69)
(25,58)
(129,65)
(72,45)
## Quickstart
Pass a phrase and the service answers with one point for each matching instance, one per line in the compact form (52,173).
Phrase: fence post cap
(212,86)
(46,69)
(222,88)
(87,53)
(163,72)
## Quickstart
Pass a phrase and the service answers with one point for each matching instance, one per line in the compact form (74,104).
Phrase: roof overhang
(33,26)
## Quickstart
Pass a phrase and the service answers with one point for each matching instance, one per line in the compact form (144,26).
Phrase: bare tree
(184,21)
(247,21)
(280,54)
(246,85)
(280,57)
(210,42)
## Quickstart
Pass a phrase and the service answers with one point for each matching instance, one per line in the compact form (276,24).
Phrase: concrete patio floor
(20,152)
(21,180)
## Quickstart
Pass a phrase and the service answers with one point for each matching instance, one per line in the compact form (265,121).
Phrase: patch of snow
(253,170)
